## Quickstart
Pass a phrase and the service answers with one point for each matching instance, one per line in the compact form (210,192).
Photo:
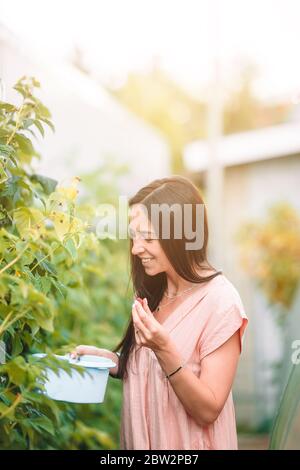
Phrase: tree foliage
(182,117)
(270,253)
(59,286)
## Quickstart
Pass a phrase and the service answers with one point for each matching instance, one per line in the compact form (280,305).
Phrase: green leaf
(43,424)
(39,127)
(25,218)
(4,408)
(11,186)
(49,267)
(10,108)
(20,90)
(71,248)
(49,123)
(48,184)
(45,284)
(17,346)
(41,110)
(25,144)
(16,370)
(60,288)
(27,123)
(44,322)
(6,150)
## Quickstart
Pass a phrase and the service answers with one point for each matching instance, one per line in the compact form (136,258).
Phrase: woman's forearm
(113,371)
(197,399)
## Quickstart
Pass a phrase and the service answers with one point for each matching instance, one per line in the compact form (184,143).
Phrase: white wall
(249,190)
(91,126)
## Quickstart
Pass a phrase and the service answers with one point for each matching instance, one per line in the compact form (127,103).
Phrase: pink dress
(152,416)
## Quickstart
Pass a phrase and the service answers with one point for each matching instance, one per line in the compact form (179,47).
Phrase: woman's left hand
(148,331)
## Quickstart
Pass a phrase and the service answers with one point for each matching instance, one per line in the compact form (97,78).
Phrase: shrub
(59,286)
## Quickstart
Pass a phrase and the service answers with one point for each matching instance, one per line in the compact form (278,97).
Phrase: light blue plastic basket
(88,387)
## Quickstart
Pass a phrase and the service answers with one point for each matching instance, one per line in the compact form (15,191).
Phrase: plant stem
(14,260)
(5,321)
(12,407)
(40,261)
(17,124)
(6,324)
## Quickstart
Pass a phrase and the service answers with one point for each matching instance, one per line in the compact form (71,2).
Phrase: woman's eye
(148,240)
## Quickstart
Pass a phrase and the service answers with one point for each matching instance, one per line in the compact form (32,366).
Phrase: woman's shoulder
(224,314)
(223,294)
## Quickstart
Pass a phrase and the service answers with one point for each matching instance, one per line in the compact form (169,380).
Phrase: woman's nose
(137,248)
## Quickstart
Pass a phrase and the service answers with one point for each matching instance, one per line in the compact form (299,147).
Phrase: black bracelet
(167,376)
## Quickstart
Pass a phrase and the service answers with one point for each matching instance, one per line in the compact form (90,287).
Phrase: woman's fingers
(146,306)
(144,317)
(141,330)
(78,351)
(136,320)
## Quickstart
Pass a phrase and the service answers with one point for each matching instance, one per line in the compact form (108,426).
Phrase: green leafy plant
(59,287)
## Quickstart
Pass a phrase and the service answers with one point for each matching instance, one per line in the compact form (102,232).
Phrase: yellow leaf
(70,192)
(27,220)
(61,224)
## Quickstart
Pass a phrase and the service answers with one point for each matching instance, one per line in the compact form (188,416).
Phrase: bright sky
(120,35)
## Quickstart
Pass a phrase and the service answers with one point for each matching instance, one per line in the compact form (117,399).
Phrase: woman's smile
(146,260)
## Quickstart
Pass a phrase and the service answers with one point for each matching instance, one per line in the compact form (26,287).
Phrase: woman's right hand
(85,349)
(94,351)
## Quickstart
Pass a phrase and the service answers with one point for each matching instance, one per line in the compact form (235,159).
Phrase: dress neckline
(189,298)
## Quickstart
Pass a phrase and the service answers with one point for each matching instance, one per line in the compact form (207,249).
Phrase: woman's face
(145,244)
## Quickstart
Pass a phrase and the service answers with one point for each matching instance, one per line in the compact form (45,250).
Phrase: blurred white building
(260,168)
(91,126)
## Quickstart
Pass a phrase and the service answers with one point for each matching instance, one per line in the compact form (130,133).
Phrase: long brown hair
(172,190)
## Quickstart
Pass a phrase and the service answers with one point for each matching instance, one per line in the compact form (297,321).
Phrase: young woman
(180,352)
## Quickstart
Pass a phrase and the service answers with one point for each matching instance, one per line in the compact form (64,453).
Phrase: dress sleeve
(220,326)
